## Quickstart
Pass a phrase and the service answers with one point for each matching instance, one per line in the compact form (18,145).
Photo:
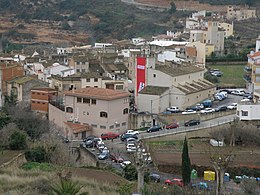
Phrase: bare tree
(221,160)
(6,132)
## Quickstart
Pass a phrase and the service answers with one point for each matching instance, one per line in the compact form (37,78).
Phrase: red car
(172,126)
(109,135)
(174,181)
(116,159)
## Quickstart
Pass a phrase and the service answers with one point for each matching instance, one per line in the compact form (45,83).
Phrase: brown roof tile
(98,93)
(77,128)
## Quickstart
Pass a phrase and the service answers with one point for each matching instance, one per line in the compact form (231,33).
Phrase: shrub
(17,141)
(38,154)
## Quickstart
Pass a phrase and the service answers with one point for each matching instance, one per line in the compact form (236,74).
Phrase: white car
(238,92)
(126,162)
(245,100)
(173,109)
(133,132)
(207,110)
(189,112)
(232,106)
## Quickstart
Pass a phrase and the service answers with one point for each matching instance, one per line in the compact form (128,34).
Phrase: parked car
(131,139)
(221,108)
(130,131)
(109,135)
(174,181)
(104,155)
(226,90)
(154,128)
(207,110)
(245,100)
(172,126)
(101,146)
(238,92)
(189,112)
(126,136)
(155,177)
(217,73)
(192,122)
(248,96)
(125,163)
(232,106)
(91,137)
(207,103)
(116,159)
(89,142)
(173,109)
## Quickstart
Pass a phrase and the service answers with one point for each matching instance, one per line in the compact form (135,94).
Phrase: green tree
(130,172)
(186,166)
(18,141)
(173,8)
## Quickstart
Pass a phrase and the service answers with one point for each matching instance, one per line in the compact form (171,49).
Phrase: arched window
(125,111)
(103,114)
(69,109)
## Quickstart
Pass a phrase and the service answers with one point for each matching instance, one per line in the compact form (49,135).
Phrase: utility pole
(141,162)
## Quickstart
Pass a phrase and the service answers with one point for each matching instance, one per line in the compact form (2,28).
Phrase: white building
(248,111)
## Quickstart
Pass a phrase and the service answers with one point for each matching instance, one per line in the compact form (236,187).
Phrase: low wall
(87,158)
(16,162)
(181,118)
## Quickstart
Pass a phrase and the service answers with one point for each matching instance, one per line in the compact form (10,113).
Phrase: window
(124,124)
(83,70)
(76,134)
(38,93)
(33,102)
(79,100)
(126,100)
(78,63)
(103,114)
(119,87)
(117,125)
(244,113)
(93,101)
(88,80)
(95,86)
(86,101)
(94,125)
(125,111)
(111,127)
(33,92)
(154,75)
(102,127)
(69,110)
(78,70)
(95,79)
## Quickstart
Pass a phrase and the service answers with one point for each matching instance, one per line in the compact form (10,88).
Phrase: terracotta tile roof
(98,93)
(256,54)
(77,128)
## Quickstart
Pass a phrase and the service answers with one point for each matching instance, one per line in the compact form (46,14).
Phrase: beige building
(210,35)
(169,85)
(252,69)
(196,51)
(209,49)
(228,29)
(105,110)
(240,13)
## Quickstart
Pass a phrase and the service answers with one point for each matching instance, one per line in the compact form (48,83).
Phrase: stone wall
(17,161)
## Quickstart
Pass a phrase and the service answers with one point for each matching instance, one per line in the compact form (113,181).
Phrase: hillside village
(157,90)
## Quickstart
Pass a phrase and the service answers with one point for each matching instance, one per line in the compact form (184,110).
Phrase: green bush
(38,154)
(37,166)
(17,141)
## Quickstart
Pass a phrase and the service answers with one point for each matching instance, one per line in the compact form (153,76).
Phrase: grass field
(232,77)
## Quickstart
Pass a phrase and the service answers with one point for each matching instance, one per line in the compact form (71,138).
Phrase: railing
(247,78)
(183,129)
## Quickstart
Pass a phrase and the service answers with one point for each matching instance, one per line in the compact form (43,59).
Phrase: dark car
(109,135)
(128,135)
(89,141)
(154,128)
(192,123)
(172,126)
(155,177)
(221,108)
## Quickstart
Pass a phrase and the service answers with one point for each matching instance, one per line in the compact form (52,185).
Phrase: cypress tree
(186,166)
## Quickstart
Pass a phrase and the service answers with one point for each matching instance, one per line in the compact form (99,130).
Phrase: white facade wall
(248,111)
(90,114)
(91,83)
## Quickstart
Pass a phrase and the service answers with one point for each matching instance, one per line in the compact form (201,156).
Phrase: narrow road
(206,124)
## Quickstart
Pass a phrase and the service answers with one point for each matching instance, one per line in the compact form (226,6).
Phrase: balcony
(247,78)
